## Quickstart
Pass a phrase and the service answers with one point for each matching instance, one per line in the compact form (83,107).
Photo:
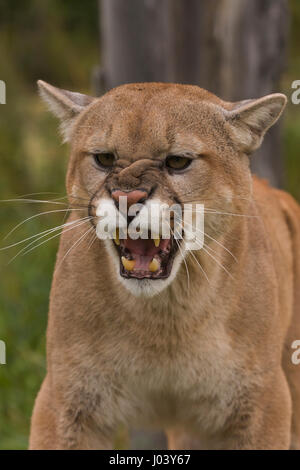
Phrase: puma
(147,333)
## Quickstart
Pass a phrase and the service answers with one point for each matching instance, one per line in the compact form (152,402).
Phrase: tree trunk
(234,48)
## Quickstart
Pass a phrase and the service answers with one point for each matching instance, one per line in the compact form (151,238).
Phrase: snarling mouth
(146,258)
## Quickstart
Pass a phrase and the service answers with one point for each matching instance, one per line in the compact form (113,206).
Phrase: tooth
(156,240)
(117,239)
(128,263)
(154,265)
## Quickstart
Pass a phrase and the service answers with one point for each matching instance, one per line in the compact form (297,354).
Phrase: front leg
(73,423)
(260,422)
(268,426)
(77,431)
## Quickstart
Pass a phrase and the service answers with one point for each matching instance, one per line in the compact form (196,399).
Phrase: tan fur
(209,362)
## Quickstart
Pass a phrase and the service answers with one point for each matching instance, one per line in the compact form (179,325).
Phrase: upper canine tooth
(128,263)
(154,265)
(156,240)
(117,238)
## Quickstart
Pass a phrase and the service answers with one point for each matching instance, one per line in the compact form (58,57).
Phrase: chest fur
(167,382)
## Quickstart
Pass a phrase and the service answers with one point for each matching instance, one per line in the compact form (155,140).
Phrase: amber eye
(177,163)
(104,160)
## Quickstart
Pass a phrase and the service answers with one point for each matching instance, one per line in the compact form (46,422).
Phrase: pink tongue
(142,262)
(142,251)
(141,247)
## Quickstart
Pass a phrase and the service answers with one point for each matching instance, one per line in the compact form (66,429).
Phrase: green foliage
(58,42)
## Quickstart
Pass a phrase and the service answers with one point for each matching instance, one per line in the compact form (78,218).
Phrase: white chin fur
(144,287)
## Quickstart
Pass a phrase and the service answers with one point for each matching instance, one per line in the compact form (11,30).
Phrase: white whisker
(37,194)
(40,201)
(93,239)
(199,264)
(214,211)
(215,259)
(37,215)
(25,250)
(75,244)
(182,255)
(209,248)
(46,232)
(218,262)
(213,239)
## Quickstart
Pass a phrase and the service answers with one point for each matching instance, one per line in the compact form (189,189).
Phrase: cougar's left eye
(177,163)
(104,160)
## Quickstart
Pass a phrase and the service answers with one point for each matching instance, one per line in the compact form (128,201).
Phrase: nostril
(133,197)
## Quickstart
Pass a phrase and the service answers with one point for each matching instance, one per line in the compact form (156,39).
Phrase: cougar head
(156,145)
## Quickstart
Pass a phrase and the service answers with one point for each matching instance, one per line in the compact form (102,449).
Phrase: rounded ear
(64,104)
(249,120)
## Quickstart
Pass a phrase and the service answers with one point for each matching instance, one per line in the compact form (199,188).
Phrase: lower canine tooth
(154,265)
(128,263)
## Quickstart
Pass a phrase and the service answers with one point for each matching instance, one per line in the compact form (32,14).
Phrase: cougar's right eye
(104,160)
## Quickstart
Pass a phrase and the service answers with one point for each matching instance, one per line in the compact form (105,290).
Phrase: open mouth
(146,258)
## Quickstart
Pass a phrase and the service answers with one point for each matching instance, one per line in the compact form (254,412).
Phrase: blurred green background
(34,38)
